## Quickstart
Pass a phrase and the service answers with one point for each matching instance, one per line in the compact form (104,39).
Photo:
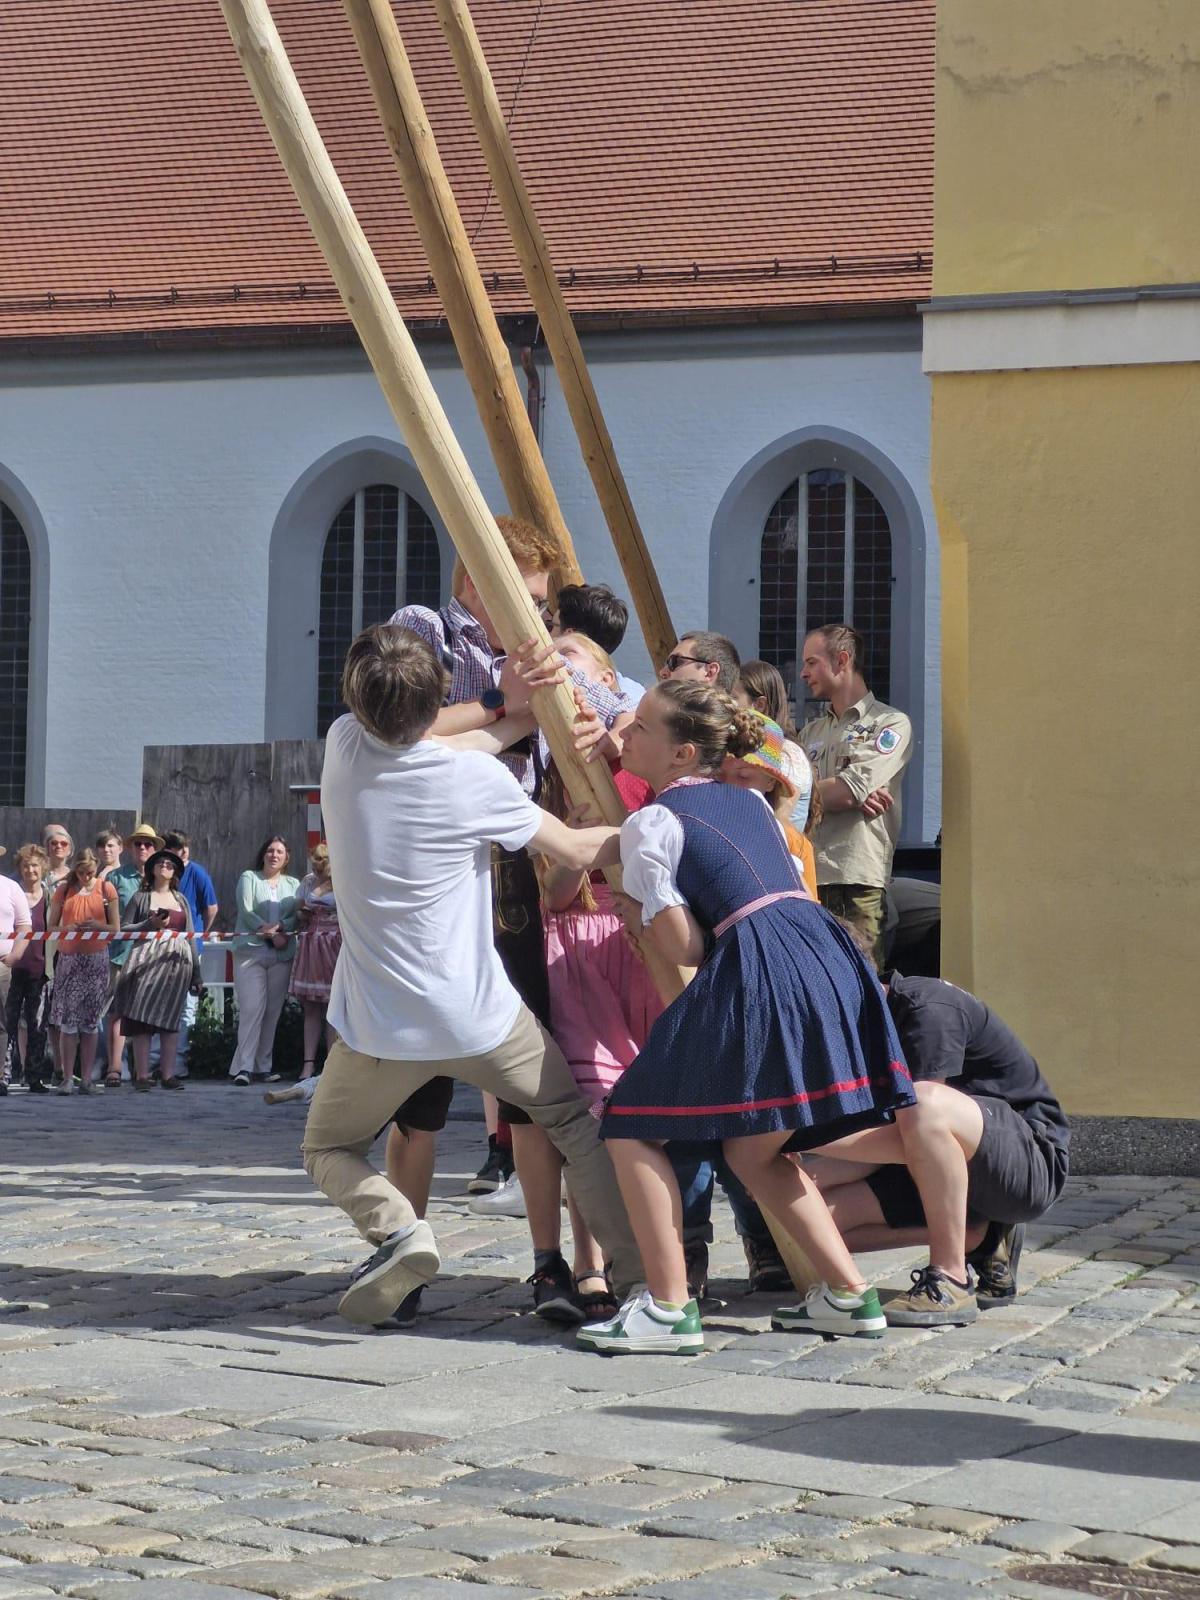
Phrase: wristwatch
(493,700)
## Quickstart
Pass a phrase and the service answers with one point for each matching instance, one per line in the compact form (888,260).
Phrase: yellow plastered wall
(1068,506)
(1069,509)
(1068,144)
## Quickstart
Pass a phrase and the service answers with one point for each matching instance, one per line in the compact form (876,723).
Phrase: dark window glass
(811,516)
(380,592)
(16,597)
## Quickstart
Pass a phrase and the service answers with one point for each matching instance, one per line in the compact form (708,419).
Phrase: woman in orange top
(763,769)
(81,904)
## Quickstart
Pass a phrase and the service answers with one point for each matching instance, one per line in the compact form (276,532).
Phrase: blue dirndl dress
(785,1025)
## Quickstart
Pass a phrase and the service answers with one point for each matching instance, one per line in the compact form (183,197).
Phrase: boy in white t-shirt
(419,989)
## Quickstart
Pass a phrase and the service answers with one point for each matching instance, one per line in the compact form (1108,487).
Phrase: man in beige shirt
(858,750)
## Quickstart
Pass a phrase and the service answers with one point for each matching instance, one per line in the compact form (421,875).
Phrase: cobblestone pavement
(181,1409)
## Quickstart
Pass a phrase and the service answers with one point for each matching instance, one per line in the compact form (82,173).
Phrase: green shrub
(212,1038)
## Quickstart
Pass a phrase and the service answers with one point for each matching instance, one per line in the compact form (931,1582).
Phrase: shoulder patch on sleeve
(887,741)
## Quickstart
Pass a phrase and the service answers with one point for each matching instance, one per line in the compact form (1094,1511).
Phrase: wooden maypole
(477,337)
(563,342)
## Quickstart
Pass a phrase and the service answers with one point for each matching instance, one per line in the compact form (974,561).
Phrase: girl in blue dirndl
(781,1042)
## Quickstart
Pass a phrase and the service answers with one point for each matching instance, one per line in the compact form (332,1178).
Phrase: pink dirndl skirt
(316,956)
(602,1000)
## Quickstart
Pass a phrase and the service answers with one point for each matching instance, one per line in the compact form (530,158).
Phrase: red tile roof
(722,158)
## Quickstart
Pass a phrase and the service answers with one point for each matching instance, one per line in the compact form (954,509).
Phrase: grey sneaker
(390,1276)
(934,1301)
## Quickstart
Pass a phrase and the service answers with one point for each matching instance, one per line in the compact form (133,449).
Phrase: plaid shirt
(455,635)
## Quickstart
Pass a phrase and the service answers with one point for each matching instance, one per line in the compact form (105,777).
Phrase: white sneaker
(642,1328)
(506,1201)
(390,1276)
(855,1316)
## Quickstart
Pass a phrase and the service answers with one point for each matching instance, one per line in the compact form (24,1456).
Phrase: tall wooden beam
(481,348)
(582,401)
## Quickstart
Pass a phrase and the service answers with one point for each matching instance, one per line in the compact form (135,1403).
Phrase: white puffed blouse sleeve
(651,845)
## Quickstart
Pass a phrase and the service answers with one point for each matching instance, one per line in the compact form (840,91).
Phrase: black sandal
(600,1305)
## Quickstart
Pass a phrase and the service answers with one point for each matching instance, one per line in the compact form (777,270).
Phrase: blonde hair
(79,859)
(597,652)
(318,857)
(709,719)
(31,852)
(530,548)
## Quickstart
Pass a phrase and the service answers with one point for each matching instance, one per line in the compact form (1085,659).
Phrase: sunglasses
(673,663)
(143,844)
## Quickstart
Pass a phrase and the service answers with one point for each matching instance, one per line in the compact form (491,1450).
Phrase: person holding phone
(159,973)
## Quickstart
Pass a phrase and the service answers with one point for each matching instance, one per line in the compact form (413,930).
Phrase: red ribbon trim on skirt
(756,1105)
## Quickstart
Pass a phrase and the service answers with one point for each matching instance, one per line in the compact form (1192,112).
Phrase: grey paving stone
(1037,1538)
(450,1589)
(1179,1558)
(1122,1548)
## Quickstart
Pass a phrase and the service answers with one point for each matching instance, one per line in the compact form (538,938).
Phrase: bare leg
(589,1258)
(314,1020)
(539,1167)
(410,1159)
(87,1056)
(860,1221)
(795,1201)
(116,1045)
(55,1036)
(66,1057)
(141,1057)
(651,1196)
(168,1049)
(935,1139)
(491,1111)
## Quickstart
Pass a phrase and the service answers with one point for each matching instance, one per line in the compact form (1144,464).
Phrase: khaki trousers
(861,905)
(357,1095)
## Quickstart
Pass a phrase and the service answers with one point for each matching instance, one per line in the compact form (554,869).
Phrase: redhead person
(781,1041)
(317,945)
(159,973)
(24,1016)
(264,949)
(81,904)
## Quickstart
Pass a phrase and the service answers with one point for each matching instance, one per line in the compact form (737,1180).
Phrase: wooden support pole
(481,348)
(558,329)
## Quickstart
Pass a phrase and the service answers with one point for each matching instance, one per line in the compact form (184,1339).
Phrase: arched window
(16,598)
(381,552)
(826,556)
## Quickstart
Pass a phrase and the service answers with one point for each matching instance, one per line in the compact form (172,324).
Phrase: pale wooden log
(481,348)
(558,329)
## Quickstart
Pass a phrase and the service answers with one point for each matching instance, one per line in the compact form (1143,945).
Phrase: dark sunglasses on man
(674,662)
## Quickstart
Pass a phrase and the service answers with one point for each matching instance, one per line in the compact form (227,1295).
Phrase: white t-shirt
(410,832)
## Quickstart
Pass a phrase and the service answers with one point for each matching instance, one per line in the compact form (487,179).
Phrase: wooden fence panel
(23,825)
(228,798)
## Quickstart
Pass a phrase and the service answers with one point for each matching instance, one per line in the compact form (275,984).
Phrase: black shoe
(695,1261)
(405,1314)
(765,1268)
(38,1086)
(497,1169)
(3,1087)
(554,1294)
(995,1265)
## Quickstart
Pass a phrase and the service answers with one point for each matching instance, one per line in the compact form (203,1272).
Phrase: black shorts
(1014,1176)
(426,1110)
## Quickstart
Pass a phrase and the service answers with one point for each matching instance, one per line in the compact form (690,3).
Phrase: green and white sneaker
(641,1327)
(854,1316)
